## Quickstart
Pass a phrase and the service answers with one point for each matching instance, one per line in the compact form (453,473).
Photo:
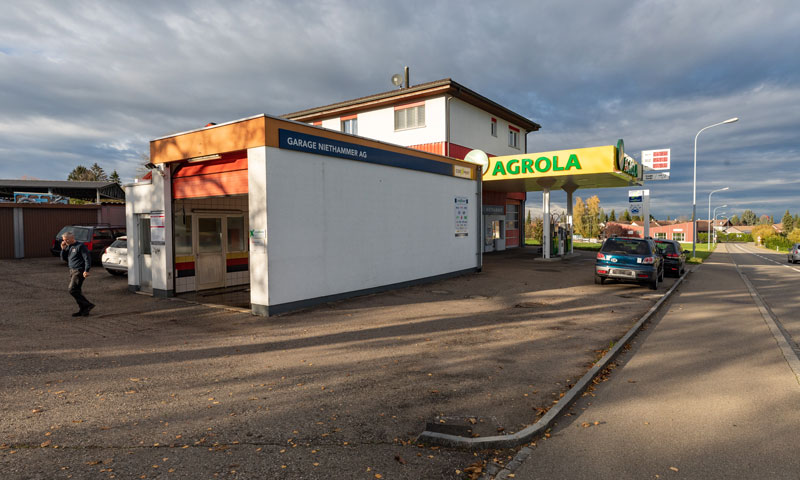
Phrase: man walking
(79,261)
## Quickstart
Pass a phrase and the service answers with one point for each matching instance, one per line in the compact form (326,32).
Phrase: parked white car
(115,257)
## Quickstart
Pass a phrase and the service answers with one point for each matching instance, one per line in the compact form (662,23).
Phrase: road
(776,280)
(705,392)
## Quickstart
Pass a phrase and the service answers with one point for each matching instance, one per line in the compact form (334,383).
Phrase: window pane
(236,234)
(183,234)
(144,234)
(209,235)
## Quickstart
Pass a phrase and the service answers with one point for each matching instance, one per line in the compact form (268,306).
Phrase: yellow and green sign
(579,161)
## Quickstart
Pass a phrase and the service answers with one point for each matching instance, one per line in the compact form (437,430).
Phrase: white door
(210,263)
(144,258)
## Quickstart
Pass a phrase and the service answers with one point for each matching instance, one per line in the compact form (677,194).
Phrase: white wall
(257,218)
(379,125)
(337,226)
(144,198)
(471,127)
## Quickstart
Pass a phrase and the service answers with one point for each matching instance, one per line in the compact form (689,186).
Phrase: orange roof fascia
(218,139)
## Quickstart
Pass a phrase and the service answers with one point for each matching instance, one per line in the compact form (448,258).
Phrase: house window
(494,127)
(409,116)
(661,235)
(350,125)
(678,237)
(513,137)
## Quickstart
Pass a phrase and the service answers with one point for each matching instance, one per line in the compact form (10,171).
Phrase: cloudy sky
(94,81)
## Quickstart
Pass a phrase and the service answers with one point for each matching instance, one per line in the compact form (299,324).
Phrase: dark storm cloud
(86,82)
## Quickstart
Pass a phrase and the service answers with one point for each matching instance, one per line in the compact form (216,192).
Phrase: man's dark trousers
(75,284)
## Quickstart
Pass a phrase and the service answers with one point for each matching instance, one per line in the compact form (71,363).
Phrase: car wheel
(654,284)
(598,280)
(661,277)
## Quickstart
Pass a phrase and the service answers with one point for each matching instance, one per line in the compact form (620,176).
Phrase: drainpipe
(479,222)
(447,124)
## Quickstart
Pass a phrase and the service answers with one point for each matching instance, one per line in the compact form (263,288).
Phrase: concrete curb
(529,433)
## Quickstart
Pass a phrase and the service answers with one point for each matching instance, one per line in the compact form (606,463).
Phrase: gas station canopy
(594,167)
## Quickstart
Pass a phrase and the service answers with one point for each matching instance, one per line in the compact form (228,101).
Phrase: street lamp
(694,184)
(709,214)
(715,219)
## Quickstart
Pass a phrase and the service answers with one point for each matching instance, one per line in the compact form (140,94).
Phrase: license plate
(623,273)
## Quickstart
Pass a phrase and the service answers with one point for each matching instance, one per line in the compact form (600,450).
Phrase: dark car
(629,260)
(96,238)
(674,256)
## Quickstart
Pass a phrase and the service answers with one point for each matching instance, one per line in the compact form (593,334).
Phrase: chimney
(406,74)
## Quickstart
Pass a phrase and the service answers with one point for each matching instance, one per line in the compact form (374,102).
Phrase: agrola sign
(608,159)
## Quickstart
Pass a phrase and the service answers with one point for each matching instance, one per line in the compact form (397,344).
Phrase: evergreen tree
(99,173)
(80,174)
(734,220)
(788,223)
(613,216)
(626,216)
(115,178)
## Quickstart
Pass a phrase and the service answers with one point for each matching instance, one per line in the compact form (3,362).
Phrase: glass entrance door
(210,263)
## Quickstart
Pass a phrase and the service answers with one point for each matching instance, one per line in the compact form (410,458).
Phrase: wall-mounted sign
(462,172)
(494,210)
(303,142)
(157,229)
(462,216)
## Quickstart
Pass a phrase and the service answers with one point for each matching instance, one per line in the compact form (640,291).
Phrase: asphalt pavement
(705,392)
(162,388)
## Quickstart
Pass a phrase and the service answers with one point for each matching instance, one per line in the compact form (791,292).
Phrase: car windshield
(625,246)
(666,247)
(81,233)
(120,244)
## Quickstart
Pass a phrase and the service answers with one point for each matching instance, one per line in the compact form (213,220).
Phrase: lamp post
(709,213)
(715,219)
(694,184)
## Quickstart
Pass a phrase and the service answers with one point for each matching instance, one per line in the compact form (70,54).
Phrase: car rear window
(81,233)
(120,244)
(102,234)
(626,246)
(666,247)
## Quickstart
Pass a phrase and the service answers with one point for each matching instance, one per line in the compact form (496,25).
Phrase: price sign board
(656,159)
(656,176)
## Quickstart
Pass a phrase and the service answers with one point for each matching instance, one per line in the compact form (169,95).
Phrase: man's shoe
(85,313)
(79,314)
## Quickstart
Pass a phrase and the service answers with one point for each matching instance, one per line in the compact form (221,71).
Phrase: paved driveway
(151,388)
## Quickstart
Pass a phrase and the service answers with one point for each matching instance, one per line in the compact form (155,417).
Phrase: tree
(794,237)
(593,212)
(788,223)
(764,231)
(579,217)
(99,173)
(749,218)
(115,178)
(734,220)
(626,216)
(537,229)
(80,174)
(764,220)
(613,216)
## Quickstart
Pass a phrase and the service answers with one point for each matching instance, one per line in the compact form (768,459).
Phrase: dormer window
(350,125)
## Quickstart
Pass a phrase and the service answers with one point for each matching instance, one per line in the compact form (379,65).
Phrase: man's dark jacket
(77,256)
